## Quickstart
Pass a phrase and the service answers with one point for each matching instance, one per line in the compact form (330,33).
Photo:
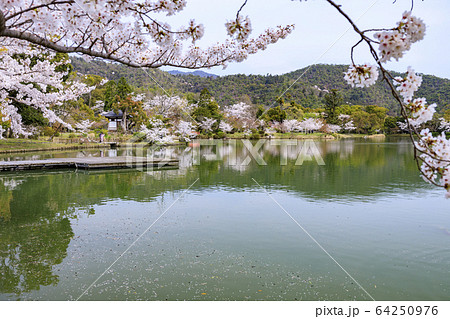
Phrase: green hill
(306,86)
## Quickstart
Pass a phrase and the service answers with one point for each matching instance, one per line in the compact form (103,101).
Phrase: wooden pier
(88,163)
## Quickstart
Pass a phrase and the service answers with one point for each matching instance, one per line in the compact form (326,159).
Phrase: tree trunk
(124,121)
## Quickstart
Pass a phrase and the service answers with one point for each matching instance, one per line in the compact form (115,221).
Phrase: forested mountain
(306,86)
(197,73)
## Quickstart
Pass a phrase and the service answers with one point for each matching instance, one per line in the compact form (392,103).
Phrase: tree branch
(412,130)
(38,7)
(29,37)
(2,22)
(240,9)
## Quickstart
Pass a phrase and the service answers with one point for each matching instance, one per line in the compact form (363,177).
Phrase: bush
(220,135)
(50,131)
(255,136)
(139,137)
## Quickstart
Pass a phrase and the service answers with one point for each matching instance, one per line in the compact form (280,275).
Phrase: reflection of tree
(35,214)
(5,199)
(34,233)
(352,169)
(6,187)
(28,253)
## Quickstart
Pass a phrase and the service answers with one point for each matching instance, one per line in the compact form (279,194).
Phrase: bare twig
(240,9)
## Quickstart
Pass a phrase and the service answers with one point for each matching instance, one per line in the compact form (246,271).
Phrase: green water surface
(208,231)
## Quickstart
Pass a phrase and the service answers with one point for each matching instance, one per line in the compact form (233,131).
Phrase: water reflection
(352,168)
(28,252)
(35,232)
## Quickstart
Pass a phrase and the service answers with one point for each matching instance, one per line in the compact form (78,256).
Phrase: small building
(115,119)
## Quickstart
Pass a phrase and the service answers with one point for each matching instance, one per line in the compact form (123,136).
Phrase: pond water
(217,229)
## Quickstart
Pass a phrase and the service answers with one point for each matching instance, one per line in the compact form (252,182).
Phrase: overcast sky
(321,34)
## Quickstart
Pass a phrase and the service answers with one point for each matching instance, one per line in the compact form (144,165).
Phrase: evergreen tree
(276,114)
(133,113)
(207,107)
(110,94)
(123,88)
(332,101)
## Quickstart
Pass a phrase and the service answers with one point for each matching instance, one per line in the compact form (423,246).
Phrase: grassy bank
(11,145)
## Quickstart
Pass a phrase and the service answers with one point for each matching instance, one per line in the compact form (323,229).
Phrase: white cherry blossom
(225,127)
(349,126)
(290,126)
(408,85)
(84,126)
(240,28)
(420,111)
(394,43)
(311,125)
(361,76)
(157,133)
(444,125)
(185,130)
(31,78)
(128,31)
(207,124)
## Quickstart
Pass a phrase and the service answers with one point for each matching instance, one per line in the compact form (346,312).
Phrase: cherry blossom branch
(95,29)
(432,155)
(32,8)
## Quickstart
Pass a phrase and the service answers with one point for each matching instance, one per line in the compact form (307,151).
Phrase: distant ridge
(306,86)
(196,73)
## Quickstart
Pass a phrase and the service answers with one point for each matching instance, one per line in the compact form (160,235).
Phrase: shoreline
(58,146)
